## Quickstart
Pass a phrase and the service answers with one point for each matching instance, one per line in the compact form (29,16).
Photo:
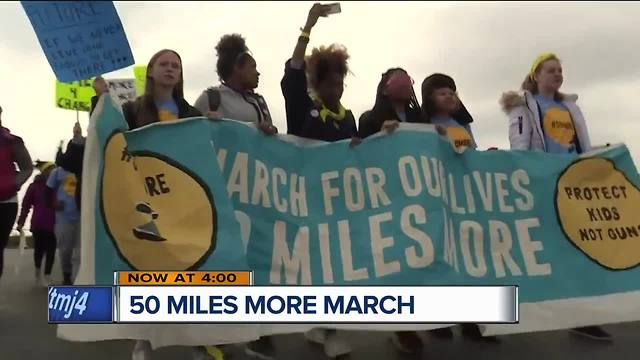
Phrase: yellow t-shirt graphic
(69,183)
(165,115)
(167,110)
(459,136)
(557,124)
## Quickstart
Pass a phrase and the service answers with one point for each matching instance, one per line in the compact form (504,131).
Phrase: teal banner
(401,209)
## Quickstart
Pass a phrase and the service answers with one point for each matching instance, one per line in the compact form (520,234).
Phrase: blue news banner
(80,304)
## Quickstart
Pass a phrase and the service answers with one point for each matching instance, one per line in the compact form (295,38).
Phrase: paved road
(25,334)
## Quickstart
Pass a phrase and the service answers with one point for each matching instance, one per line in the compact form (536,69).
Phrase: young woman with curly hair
(312,90)
(235,98)
(319,115)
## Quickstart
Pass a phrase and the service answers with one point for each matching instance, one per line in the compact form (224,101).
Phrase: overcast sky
(486,47)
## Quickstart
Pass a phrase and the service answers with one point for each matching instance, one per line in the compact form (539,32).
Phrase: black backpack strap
(214,99)
(263,110)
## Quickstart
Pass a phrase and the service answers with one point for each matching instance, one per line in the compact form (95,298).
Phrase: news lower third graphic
(80,304)
(195,297)
(317,304)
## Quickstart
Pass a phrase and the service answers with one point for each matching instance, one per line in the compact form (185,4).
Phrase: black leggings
(45,245)
(8,213)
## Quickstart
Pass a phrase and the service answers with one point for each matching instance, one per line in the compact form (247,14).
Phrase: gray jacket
(247,107)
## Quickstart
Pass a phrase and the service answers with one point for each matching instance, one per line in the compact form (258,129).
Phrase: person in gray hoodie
(235,97)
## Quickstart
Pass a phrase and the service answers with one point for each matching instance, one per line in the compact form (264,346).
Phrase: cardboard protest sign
(140,73)
(75,95)
(80,39)
(122,90)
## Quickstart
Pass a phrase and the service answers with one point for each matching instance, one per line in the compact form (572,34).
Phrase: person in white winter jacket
(541,118)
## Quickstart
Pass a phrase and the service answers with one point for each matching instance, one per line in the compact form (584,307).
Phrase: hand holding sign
(100,85)
(122,90)
(77,131)
(80,39)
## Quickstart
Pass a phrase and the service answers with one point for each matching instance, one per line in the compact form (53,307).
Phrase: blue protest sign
(80,39)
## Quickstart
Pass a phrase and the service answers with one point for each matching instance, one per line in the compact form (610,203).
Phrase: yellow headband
(539,60)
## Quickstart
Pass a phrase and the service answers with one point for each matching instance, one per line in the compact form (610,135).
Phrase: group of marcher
(53,197)
(541,118)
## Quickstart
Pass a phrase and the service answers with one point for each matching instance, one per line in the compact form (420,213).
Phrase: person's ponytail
(530,85)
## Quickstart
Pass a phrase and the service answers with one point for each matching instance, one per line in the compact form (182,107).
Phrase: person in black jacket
(321,115)
(395,101)
(163,97)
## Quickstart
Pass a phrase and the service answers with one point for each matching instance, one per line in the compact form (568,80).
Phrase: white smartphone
(333,9)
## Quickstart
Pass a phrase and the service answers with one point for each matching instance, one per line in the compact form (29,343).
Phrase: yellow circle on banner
(559,126)
(598,211)
(459,136)
(159,216)
(69,183)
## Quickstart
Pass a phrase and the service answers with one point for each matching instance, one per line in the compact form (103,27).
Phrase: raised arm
(294,82)
(51,188)
(100,86)
(317,10)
